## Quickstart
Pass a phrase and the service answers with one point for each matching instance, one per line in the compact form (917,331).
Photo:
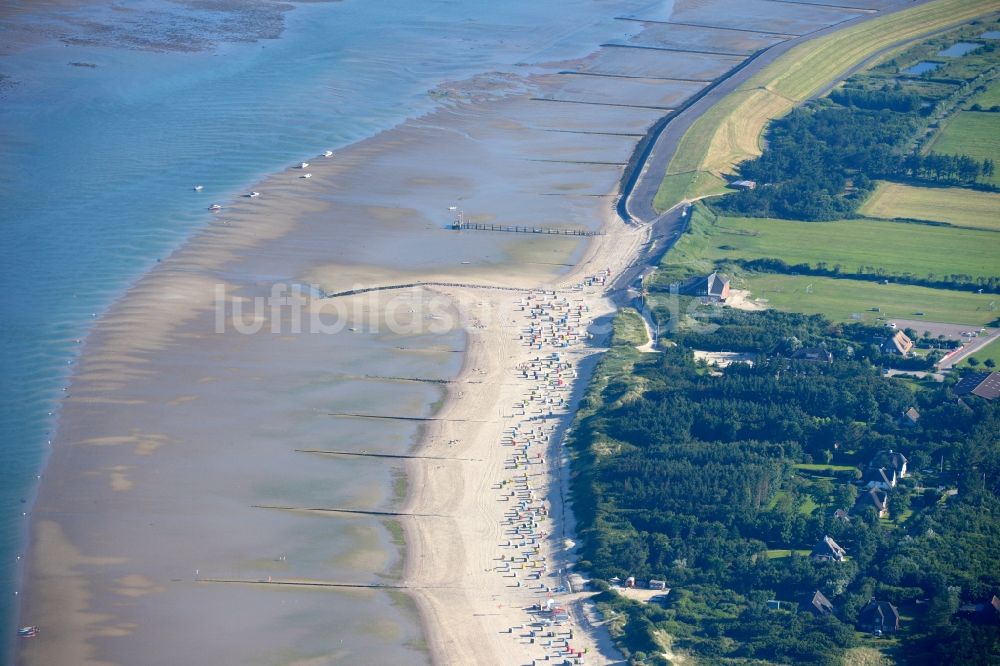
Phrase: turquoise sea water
(97,164)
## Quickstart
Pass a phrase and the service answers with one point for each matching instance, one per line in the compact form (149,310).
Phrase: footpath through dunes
(205,393)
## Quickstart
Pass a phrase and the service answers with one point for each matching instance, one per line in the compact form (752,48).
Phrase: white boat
(199,188)
(306,175)
(215,207)
(304,165)
(328,153)
(254,195)
(27,632)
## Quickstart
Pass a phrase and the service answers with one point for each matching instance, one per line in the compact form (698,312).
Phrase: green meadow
(989,98)
(895,247)
(853,300)
(953,205)
(972,133)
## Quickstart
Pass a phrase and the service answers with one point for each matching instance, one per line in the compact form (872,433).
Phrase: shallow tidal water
(102,145)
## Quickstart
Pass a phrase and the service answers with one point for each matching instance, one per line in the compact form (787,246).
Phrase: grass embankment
(952,205)
(731,130)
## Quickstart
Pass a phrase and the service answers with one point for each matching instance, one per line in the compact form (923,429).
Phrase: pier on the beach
(516,229)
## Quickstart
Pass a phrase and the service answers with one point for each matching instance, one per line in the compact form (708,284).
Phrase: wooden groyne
(303,583)
(516,229)
(350,512)
(351,415)
(395,456)
(411,285)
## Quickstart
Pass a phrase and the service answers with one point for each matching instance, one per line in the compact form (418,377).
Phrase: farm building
(743,185)
(714,286)
(879,617)
(986,385)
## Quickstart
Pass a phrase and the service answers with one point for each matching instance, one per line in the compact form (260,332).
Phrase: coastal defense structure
(461,225)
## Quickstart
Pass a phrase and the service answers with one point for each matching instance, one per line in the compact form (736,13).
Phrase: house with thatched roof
(828,550)
(879,617)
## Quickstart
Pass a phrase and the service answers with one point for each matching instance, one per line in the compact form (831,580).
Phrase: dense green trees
(822,157)
(717,481)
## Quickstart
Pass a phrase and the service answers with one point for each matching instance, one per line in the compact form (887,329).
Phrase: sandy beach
(502,548)
(237,448)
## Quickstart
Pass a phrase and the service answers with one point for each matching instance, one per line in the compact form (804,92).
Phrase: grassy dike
(731,131)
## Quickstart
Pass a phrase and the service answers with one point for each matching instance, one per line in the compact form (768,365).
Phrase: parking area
(949,331)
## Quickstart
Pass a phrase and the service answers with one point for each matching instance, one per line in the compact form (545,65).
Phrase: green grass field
(778,553)
(852,300)
(807,506)
(820,467)
(954,205)
(990,351)
(989,98)
(972,133)
(896,247)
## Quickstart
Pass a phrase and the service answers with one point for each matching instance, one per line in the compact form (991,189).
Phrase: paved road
(663,233)
(948,361)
